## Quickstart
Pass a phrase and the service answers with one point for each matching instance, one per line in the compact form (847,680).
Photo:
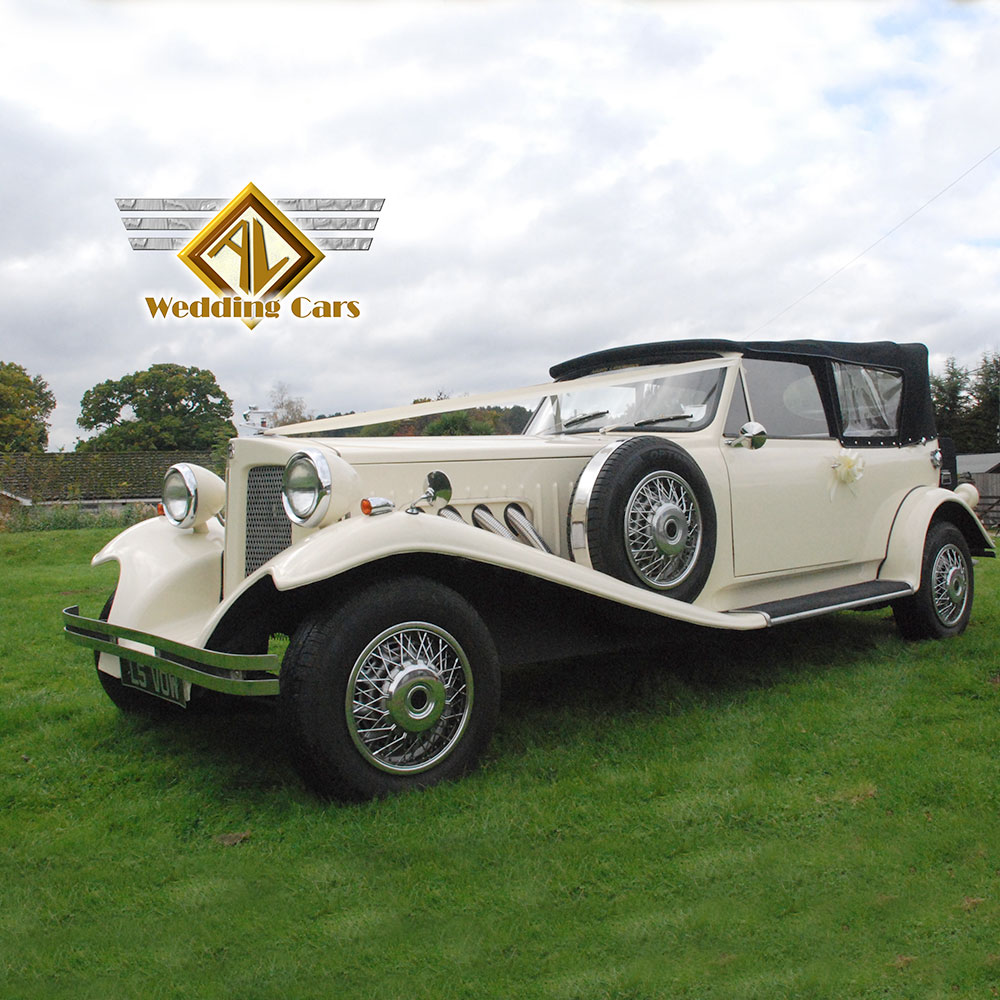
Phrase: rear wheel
(942,605)
(399,688)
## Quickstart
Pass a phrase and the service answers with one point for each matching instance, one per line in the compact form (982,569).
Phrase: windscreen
(677,401)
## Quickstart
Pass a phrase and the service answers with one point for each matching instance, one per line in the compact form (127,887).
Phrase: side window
(785,399)
(869,400)
(739,414)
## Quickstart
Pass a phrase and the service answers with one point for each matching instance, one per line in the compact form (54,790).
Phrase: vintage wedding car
(728,485)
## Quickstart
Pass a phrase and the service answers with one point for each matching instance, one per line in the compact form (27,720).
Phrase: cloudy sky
(558,177)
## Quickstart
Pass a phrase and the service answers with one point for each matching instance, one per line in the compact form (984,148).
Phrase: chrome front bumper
(230,673)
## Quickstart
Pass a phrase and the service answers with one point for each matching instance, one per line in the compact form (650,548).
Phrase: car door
(796,504)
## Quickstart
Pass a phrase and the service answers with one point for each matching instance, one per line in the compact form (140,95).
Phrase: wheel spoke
(949,585)
(660,492)
(409,698)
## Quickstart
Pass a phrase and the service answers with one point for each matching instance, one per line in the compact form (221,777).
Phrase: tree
(984,414)
(459,422)
(288,409)
(25,403)
(967,404)
(165,408)
(953,403)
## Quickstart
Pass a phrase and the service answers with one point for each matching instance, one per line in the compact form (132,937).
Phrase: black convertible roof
(917,416)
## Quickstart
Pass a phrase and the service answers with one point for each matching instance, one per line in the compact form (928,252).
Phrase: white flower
(848,468)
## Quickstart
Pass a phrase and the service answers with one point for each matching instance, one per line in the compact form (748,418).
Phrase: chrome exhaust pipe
(518,522)
(482,517)
(452,514)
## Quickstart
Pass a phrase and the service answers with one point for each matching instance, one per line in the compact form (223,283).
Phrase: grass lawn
(808,812)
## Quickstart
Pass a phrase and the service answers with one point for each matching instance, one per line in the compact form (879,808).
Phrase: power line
(872,246)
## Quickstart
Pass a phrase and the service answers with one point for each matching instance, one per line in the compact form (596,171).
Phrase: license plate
(153,681)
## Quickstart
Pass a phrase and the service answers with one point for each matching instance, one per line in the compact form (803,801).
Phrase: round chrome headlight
(305,488)
(192,495)
(180,496)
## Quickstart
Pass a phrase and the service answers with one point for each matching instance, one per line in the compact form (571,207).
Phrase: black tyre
(127,699)
(649,519)
(942,605)
(399,688)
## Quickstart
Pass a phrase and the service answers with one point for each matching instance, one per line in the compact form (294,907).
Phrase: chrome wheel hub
(662,530)
(669,529)
(955,584)
(415,698)
(950,583)
(409,698)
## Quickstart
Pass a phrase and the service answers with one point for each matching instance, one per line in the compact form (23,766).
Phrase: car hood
(465,448)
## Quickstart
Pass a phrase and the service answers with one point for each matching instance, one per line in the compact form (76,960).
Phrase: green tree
(165,408)
(25,403)
(953,404)
(984,413)
(459,422)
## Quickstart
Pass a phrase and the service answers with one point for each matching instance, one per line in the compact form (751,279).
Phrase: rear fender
(905,552)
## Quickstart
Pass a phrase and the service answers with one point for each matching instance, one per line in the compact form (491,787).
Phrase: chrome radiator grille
(268,530)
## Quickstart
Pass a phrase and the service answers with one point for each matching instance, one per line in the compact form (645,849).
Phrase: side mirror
(437,487)
(752,435)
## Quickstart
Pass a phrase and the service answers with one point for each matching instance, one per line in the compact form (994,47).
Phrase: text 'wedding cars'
(721,484)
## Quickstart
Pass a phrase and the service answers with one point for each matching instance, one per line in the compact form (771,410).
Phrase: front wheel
(942,605)
(398,688)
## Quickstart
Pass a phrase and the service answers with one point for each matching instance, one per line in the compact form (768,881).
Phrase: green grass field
(808,812)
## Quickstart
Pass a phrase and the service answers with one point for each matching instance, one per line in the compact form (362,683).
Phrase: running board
(857,595)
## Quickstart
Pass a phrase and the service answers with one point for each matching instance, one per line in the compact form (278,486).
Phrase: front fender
(169,578)
(905,552)
(359,541)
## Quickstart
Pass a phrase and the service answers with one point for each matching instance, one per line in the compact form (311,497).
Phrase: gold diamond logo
(251,248)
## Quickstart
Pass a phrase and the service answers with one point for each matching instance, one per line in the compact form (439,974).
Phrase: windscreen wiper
(649,421)
(583,418)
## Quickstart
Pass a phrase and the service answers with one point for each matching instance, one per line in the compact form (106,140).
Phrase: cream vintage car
(727,485)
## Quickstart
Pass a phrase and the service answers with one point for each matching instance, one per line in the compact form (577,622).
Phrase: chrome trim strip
(175,658)
(580,502)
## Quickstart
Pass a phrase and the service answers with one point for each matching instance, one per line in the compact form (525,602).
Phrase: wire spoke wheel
(950,585)
(409,697)
(663,530)
(395,689)
(642,511)
(942,604)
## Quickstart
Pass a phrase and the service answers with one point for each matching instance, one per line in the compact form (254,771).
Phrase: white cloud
(558,178)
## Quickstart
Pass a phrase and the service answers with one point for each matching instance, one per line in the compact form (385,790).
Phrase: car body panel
(798,517)
(918,510)
(168,580)
(791,512)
